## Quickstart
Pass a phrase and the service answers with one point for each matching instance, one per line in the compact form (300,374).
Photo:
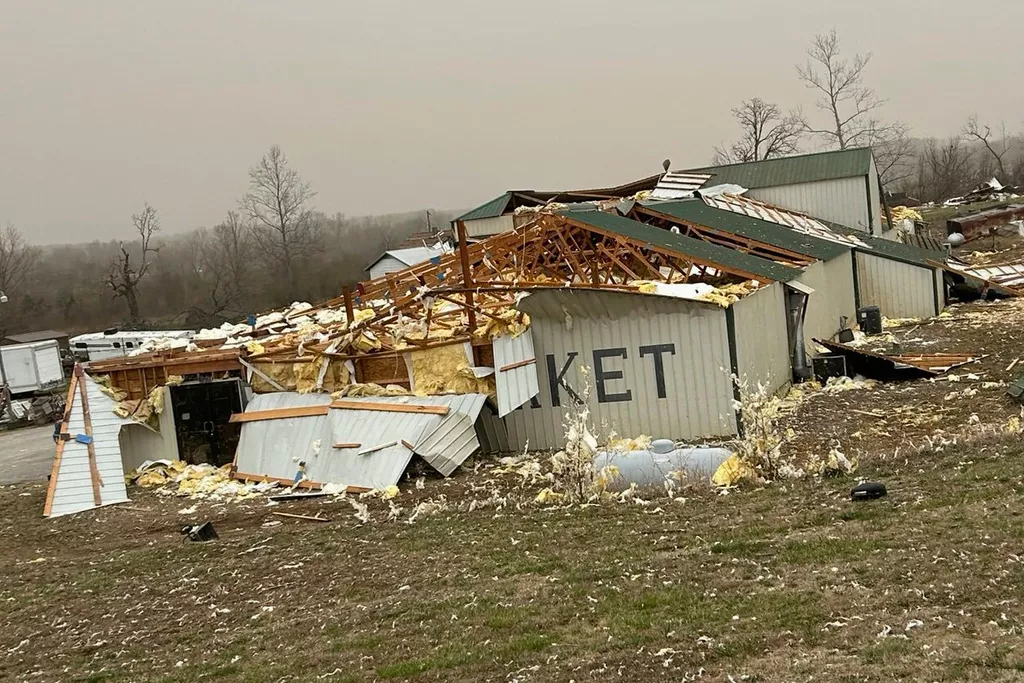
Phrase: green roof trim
(804,168)
(491,209)
(723,257)
(695,211)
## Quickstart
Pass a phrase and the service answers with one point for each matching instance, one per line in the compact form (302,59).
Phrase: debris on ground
(204,481)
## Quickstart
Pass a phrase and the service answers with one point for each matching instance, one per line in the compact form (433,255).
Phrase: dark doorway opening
(201,414)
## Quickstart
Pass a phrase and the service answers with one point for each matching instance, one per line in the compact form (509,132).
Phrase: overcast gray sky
(391,106)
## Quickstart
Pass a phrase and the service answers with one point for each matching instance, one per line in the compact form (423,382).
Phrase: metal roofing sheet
(803,168)
(72,490)
(515,385)
(742,224)
(275,448)
(679,184)
(797,221)
(721,257)
(1006,274)
(447,445)
(898,251)
(41,335)
(490,209)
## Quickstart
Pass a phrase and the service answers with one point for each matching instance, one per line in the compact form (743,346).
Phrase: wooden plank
(408,445)
(517,364)
(347,445)
(280,413)
(292,515)
(378,447)
(51,487)
(390,407)
(94,472)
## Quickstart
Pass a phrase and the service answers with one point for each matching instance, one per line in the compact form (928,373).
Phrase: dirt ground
(789,581)
(26,454)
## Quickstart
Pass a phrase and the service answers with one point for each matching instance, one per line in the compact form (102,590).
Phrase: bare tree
(998,149)
(220,263)
(840,92)
(124,277)
(17,259)
(894,153)
(767,133)
(277,206)
(949,167)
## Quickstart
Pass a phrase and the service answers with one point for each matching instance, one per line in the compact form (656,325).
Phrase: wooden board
(94,472)
(51,487)
(289,482)
(517,364)
(390,407)
(280,413)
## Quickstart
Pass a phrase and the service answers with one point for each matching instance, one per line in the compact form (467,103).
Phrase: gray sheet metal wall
(387,264)
(631,335)
(900,289)
(762,339)
(833,297)
(139,443)
(940,291)
(842,201)
(485,227)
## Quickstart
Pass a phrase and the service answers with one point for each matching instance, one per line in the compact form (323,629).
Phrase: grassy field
(789,582)
(782,583)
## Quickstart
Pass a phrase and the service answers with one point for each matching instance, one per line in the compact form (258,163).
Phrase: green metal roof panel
(804,168)
(697,212)
(491,209)
(901,252)
(711,253)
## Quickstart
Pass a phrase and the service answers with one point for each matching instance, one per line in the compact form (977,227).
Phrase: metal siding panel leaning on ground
(70,487)
(447,445)
(274,448)
(515,384)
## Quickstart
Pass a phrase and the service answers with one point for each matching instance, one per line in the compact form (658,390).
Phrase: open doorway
(202,411)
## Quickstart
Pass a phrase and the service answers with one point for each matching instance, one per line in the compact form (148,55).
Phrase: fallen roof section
(895,367)
(772,232)
(704,253)
(357,448)
(87,471)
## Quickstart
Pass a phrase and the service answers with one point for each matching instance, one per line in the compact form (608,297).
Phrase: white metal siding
(73,489)
(518,385)
(485,227)
(833,297)
(762,339)
(139,443)
(387,264)
(900,290)
(842,201)
(940,290)
(697,390)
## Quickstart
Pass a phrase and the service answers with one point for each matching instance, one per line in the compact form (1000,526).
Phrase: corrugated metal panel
(400,259)
(762,339)
(748,218)
(679,184)
(940,290)
(490,209)
(718,256)
(902,252)
(485,227)
(633,335)
(518,385)
(842,201)
(73,489)
(900,290)
(447,445)
(801,168)
(832,299)
(276,447)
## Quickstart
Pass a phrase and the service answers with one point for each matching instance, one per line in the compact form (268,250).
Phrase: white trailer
(101,345)
(32,367)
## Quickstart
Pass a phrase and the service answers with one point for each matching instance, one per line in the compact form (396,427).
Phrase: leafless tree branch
(767,133)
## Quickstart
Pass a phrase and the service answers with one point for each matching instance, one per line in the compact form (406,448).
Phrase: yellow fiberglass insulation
(156,399)
(307,374)
(509,322)
(446,370)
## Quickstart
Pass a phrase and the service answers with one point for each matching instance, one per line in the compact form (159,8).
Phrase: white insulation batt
(359,448)
(71,481)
